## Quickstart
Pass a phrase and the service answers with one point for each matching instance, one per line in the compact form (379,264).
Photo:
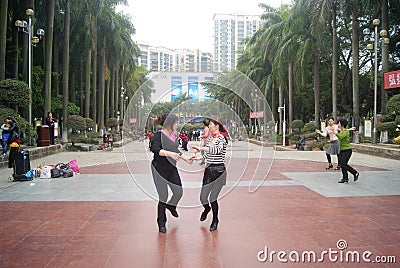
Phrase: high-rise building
(158,59)
(230,31)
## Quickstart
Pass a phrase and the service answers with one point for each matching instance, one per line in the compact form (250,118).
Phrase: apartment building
(230,32)
(161,59)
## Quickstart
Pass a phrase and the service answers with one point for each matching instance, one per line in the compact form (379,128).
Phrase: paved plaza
(278,209)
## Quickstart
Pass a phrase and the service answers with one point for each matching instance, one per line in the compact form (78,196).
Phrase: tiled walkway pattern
(299,208)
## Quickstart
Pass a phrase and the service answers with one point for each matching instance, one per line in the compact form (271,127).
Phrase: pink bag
(74,165)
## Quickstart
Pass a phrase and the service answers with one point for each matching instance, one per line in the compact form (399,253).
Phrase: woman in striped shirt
(214,177)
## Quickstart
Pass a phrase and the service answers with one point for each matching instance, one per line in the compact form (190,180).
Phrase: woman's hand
(352,129)
(196,148)
(186,159)
(318,131)
(173,155)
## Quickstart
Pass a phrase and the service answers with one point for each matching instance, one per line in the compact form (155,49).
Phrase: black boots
(173,211)
(356,176)
(214,225)
(203,215)
(344,181)
(330,166)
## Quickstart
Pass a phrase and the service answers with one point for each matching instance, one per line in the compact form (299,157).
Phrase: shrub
(397,120)
(387,126)
(112,122)
(90,123)
(57,107)
(393,105)
(76,123)
(297,125)
(27,130)
(387,118)
(14,94)
(310,127)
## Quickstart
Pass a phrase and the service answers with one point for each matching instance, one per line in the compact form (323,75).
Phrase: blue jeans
(4,144)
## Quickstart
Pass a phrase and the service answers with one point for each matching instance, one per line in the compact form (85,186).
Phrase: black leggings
(213,181)
(162,179)
(328,157)
(344,157)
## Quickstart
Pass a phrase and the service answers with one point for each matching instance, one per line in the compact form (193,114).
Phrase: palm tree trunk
(48,57)
(334,62)
(101,88)
(290,74)
(385,55)
(107,101)
(356,84)
(56,65)
(3,36)
(316,87)
(67,21)
(116,92)
(87,83)
(94,86)
(280,105)
(15,52)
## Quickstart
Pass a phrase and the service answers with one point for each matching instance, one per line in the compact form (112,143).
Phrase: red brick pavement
(124,234)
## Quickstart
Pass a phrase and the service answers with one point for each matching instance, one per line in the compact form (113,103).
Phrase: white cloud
(184,24)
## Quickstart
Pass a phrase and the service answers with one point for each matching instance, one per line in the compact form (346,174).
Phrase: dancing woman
(164,145)
(214,177)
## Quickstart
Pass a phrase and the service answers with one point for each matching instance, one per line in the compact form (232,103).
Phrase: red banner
(259,114)
(392,79)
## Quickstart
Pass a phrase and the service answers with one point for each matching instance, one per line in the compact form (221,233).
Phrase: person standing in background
(50,122)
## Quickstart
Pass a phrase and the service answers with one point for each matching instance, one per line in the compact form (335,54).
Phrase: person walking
(164,145)
(214,177)
(345,151)
(50,122)
(333,148)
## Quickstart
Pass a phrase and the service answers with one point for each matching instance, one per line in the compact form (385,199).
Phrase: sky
(184,24)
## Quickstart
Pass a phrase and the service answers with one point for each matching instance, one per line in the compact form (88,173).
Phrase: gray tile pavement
(98,187)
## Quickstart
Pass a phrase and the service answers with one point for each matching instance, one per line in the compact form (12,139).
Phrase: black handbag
(55,173)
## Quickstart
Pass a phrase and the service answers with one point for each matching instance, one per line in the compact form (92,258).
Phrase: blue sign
(176,87)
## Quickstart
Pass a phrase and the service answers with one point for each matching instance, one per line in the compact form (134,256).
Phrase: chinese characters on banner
(259,114)
(392,79)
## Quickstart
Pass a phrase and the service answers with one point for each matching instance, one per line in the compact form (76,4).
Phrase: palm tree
(49,55)
(3,37)
(66,68)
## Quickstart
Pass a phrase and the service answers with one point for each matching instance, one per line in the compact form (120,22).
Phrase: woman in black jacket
(164,145)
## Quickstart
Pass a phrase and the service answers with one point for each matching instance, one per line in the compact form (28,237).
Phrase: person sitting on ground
(301,143)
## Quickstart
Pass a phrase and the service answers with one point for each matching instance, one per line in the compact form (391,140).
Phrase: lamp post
(27,27)
(121,105)
(282,109)
(374,47)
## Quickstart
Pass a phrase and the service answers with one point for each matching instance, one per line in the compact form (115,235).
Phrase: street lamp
(27,27)
(374,47)
(118,120)
(282,109)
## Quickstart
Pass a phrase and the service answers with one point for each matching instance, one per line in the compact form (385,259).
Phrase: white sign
(368,128)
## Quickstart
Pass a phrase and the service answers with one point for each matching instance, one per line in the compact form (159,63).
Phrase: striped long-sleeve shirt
(217,151)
